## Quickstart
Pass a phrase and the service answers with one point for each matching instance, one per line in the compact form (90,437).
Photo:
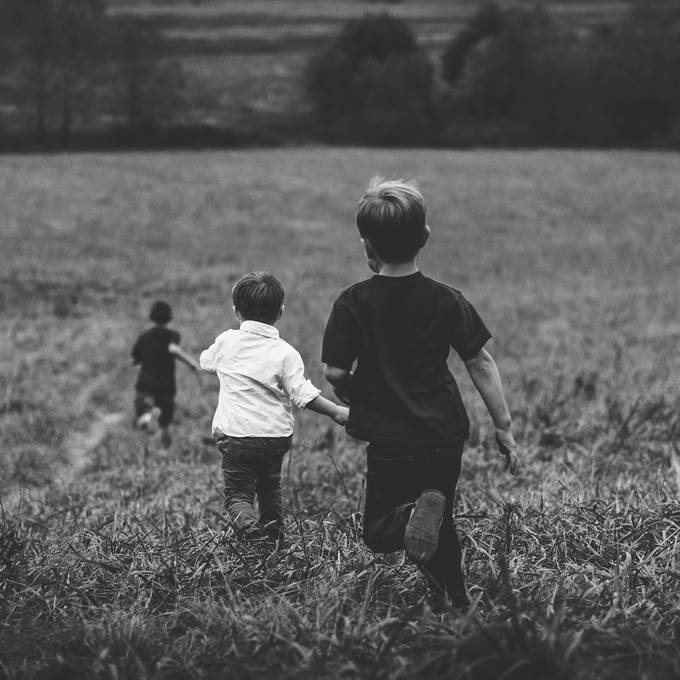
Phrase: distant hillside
(246,58)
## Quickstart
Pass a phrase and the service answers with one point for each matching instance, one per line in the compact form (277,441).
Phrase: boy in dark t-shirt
(397,328)
(156,350)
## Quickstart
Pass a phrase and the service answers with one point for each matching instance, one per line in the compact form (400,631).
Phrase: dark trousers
(396,476)
(252,467)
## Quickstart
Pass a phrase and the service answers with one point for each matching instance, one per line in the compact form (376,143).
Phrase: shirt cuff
(306,393)
(204,361)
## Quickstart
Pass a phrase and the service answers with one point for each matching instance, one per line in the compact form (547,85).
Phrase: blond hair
(391,215)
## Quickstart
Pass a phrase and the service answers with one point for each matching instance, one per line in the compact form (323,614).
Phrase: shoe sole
(421,536)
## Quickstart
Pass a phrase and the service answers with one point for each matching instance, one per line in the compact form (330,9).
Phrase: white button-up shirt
(261,378)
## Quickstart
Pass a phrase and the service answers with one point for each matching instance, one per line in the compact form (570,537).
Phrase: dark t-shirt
(400,331)
(157,372)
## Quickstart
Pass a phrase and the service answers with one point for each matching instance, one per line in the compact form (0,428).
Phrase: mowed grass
(249,57)
(125,568)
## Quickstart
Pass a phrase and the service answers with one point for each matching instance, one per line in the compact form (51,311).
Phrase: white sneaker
(148,422)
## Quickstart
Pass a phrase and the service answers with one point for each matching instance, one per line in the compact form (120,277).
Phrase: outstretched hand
(341,416)
(508,449)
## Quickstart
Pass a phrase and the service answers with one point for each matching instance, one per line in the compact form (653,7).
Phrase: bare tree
(151,85)
(82,27)
(55,47)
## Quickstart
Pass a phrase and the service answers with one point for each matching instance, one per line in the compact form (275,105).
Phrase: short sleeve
(468,332)
(176,337)
(341,339)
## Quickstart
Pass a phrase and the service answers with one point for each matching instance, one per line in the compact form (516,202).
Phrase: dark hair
(161,312)
(258,296)
(391,215)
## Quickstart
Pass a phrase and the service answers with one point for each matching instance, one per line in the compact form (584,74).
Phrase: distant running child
(261,378)
(155,351)
(398,327)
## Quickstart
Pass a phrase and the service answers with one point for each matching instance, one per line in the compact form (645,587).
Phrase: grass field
(114,562)
(248,57)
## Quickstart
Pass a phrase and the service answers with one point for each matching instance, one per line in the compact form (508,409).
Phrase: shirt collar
(259,328)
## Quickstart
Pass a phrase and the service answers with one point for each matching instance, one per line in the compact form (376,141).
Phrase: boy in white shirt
(261,378)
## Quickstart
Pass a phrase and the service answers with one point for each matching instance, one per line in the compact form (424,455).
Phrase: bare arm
(486,378)
(340,414)
(180,354)
(340,379)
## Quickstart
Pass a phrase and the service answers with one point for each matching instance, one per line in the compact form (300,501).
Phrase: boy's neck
(400,269)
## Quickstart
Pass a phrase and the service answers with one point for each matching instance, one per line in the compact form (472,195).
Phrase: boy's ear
(426,235)
(237,314)
(283,307)
(371,256)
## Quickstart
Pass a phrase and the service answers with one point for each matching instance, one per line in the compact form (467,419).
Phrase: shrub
(486,22)
(526,74)
(373,84)
(639,77)
(497,69)
(559,101)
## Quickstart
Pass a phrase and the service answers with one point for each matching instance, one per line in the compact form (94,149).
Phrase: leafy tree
(559,100)
(485,23)
(396,105)
(532,79)
(375,36)
(639,75)
(497,69)
(373,84)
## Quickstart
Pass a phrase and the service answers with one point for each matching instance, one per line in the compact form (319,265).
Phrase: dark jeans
(146,400)
(252,467)
(396,476)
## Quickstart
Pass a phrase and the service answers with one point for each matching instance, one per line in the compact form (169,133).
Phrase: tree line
(63,63)
(510,76)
